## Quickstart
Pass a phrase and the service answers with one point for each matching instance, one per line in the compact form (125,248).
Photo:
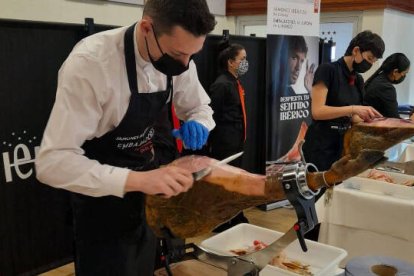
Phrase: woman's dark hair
(395,61)
(227,51)
(367,41)
(192,15)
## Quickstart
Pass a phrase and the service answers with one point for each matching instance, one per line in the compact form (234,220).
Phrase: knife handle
(201,173)
(196,176)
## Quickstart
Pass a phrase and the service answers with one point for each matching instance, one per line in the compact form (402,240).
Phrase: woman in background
(227,102)
(337,102)
(337,99)
(380,92)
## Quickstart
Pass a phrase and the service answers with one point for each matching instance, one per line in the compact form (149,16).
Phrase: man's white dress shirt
(92,98)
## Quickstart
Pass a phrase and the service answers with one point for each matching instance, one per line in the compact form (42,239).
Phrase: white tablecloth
(368,224)
(401,152)
(407,154)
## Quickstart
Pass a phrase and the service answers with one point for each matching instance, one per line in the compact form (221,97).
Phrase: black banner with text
(35,219)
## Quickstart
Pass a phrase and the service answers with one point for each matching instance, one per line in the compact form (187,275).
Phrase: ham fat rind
(228,190)
(379,134)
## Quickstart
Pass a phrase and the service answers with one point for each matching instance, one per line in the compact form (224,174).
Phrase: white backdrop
(217,7)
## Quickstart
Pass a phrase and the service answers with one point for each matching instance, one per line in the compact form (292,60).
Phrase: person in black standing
(337,99)
(227,102)
(99,140)
(337,102)
(380,92)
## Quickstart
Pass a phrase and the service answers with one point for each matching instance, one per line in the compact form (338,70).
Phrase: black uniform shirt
(228,136)
(324,138)
(225,100)
(344,87)
(381,95)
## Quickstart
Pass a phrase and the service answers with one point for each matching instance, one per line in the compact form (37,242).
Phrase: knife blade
(203,172)
(263,257)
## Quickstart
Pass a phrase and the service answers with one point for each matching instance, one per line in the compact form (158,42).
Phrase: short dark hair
(227,52)
(192,15)
(297,43)
(367,41)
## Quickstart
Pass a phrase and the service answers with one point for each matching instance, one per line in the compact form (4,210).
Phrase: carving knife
(201,173)
(263,257)
(259,258)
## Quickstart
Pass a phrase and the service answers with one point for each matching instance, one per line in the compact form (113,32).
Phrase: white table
(407,153)
(368,224)
(401,152)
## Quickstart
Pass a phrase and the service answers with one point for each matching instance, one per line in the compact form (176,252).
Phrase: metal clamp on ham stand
(301,197)
(171,249)
(293,179)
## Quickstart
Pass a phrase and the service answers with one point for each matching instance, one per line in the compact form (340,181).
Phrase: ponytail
(395,61)
(376,74)
(227,51)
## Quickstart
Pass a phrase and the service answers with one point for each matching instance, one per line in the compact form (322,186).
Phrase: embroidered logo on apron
(139,143)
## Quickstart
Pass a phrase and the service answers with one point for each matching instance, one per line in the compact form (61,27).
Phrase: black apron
(324,139)
(111,234)
(165,144)
(226,140)
(325,142)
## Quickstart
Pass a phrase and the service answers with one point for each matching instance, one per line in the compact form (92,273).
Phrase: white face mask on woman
(243,67)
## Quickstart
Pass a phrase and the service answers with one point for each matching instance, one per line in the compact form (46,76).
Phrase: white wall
(217,6)
(75,11)
(225,23)
(69,11)
(398,29)
(372,20)
(343,34)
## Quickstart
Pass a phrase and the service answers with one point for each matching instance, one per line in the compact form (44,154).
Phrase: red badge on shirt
(351,79)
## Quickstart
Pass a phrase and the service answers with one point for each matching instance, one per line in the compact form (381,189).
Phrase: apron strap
(173,116)
(133,83)
(130,59)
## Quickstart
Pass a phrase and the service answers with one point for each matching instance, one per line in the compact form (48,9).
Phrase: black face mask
(398,81)
(166,64)
(361,67)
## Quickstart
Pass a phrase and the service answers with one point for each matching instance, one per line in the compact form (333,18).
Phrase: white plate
(323,259)
(362,183)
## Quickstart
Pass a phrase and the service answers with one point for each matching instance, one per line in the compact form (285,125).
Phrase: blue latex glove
(193,134)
